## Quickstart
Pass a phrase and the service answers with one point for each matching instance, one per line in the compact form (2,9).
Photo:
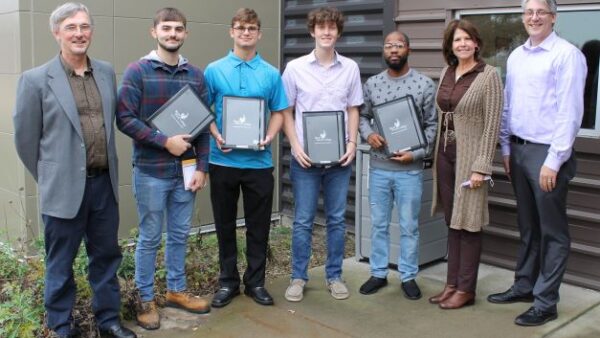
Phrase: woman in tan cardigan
(469,104)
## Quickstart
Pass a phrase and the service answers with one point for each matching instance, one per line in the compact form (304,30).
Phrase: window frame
(587,132)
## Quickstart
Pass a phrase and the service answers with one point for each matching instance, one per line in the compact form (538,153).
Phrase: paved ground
(385,314)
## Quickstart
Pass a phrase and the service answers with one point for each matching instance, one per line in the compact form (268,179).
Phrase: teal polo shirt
(232,76)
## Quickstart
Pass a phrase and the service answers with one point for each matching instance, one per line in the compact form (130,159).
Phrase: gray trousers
(543,225)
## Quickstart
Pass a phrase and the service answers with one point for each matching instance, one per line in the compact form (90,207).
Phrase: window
(502,31)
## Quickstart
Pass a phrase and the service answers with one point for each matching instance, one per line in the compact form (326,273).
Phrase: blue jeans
(405,188)
(157,198)
(306,184)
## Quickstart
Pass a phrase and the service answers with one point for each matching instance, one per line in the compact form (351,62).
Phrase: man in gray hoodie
(399,177)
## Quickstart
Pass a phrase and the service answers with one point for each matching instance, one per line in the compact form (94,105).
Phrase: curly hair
(324,15)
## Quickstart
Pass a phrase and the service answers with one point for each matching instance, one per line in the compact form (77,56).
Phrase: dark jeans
(257,189)
(543,225)
(97,223)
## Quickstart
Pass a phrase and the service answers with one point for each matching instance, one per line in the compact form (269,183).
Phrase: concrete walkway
(384,314)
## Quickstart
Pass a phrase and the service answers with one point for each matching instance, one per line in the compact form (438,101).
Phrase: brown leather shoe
(147,315)
(457,300)
(448,291)
(188,302)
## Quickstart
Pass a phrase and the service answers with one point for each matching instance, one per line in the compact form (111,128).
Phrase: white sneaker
(338,289)
(295,291)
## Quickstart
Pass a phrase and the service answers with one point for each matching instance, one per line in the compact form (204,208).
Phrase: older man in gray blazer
(64,134)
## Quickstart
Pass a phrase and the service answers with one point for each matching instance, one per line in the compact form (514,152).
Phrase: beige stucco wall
(121,36)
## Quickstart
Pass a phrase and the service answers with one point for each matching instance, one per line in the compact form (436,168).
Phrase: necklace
(465,69)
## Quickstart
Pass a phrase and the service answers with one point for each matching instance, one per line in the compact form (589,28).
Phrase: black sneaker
(411,290)
(372,285)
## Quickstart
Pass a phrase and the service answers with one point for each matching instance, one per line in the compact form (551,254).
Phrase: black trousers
(543,225)
(97,223)
(257,191)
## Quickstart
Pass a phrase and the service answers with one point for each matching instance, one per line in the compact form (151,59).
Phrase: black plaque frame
(175,125)
(310,143)
(396,142)
(226,124)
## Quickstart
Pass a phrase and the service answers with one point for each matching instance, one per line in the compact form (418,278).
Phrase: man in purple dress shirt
(322,80)
(543,111)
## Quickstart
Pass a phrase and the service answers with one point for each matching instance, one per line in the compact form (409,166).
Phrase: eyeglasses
(84,28)
(540,13)
(250,29)
(389,46)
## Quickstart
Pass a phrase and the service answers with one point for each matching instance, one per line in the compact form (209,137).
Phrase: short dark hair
(324,15)
(245,15)
(169,14)
(470,29)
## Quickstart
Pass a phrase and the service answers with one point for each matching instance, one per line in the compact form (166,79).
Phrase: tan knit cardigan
(476,124)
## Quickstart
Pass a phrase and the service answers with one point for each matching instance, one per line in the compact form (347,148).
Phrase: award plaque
(184,113)
(243,122)
(324,136)
(399,124)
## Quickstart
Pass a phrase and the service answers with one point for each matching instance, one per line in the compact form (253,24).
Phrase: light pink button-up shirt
(544,97)
(312,87)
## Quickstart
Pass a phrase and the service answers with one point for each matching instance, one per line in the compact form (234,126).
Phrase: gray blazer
(48,134)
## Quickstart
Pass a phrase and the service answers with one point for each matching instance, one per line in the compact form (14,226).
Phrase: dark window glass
(503,32)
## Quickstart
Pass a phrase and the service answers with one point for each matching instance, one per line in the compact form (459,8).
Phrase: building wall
(121,35)
(424,21)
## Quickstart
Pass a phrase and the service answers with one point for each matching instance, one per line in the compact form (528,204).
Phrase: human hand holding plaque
(375,140)
(403,157)
(178,144)
(300,156)
(349,154)
(214,131)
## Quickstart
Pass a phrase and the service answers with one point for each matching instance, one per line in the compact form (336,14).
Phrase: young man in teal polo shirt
(243,73)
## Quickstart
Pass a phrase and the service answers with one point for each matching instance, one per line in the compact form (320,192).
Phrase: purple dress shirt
(544,97)
(312,87)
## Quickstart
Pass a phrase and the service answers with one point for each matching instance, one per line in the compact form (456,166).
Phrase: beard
(170,49)
(397,65)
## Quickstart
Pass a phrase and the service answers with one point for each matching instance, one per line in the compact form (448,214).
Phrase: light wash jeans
(306,184)
(157,199)
(405,189)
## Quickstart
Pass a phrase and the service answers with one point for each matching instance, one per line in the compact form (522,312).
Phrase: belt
(95,172)
(516,139)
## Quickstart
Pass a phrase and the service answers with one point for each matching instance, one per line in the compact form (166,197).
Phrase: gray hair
(65,11)
(551,5)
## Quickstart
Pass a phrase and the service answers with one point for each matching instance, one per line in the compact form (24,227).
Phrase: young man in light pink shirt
(322,80)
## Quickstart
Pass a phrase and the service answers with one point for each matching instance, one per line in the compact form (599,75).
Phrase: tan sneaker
(188,302)
(338,289)
(295,291)
(147,315)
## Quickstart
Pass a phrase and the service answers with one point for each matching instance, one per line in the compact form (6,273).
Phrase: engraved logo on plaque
(397,127)
(241,122)
(180,118)
(322,138)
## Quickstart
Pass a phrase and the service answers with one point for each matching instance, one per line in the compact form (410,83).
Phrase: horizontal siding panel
(423,31)
(301,7)
(415,17)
